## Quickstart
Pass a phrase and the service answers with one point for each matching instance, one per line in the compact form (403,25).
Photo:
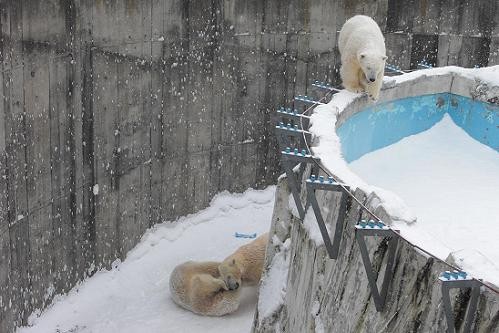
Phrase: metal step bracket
(292,116)
(324,86)
(460,280)
(285,131)
(394,69)
(424,65)
(369,229)
(289,159)
(314,184)
(307,100)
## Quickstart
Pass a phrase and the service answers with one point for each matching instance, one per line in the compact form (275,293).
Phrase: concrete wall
(163,103)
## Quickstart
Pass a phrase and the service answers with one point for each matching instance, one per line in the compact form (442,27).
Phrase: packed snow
(273,287)
(134,296)
(451,182)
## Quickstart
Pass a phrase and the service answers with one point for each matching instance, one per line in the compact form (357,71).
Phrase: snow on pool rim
(326,119)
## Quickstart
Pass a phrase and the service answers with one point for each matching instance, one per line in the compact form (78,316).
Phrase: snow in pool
(451,183)
(134,295)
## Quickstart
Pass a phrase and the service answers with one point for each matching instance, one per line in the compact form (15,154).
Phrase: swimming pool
(383,124)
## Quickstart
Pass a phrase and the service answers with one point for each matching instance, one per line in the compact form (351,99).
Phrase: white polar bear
(363,55)
(197,286)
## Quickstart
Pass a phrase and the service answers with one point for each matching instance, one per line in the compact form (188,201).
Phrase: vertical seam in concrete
(28,244)
(70,105)
(51,163)
(88,152)
(116,158)
(151,122)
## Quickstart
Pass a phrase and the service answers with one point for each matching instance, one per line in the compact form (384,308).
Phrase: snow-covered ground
(451,183)
(134,297)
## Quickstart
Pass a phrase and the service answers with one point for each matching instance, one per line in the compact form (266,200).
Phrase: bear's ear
(384,58)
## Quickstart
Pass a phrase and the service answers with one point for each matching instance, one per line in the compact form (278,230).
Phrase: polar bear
(245,265)
(196,286)
(363,55)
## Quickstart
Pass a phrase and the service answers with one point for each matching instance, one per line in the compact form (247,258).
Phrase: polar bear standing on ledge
(363,55)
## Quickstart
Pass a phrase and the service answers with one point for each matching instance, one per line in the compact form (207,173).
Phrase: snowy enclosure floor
(134,296)
(451,183)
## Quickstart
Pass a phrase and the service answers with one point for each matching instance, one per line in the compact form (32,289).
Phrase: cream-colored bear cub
(196,286)
(245,266)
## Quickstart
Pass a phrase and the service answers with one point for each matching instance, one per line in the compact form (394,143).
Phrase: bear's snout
(233,285)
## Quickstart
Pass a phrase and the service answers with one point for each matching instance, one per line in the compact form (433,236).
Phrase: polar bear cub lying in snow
(244,267)
(195,286)
(363,55)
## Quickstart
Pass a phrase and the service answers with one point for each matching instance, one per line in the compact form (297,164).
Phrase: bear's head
(230,273)
(372,64)
(207,284)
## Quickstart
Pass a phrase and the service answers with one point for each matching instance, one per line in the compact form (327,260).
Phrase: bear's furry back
(206,303)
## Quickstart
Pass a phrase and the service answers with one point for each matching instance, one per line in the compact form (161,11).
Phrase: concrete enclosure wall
(117,115)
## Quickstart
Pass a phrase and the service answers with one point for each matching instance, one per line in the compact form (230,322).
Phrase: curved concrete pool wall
(324,295)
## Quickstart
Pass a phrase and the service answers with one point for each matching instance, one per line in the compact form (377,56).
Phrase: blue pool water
(383,124)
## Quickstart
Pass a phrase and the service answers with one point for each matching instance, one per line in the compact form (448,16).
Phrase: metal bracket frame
(459,280)
(288,115)
(289,161)
(370,229)
(306,100)
(324,86)
(394,69)
(424,65)
(313,185)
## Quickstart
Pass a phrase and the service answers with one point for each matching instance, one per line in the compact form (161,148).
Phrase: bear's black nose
(372,80)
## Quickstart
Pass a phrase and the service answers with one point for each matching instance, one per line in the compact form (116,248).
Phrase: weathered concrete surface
(163,103)
(324,295)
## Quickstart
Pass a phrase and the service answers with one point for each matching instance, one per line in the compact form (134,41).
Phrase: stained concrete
(164,103)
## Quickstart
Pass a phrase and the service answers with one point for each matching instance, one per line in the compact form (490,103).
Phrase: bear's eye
(362,56)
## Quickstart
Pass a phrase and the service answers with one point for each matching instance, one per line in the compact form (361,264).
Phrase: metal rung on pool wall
(307,100)
(288,115)
(289,159)
(395,69)
(314,184)
(424,65)
(370,229)
(460,280)
(324,86)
